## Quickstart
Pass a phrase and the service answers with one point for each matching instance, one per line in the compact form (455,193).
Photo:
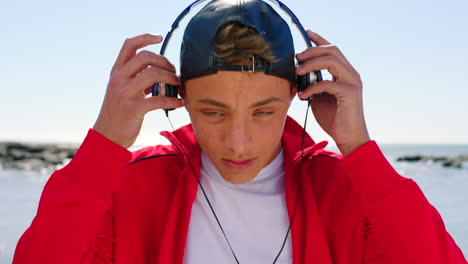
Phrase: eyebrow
(223,105)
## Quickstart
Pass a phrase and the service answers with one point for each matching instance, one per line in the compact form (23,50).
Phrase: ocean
(445,188)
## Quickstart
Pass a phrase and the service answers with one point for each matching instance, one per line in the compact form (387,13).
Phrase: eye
(263,113)
(213,114)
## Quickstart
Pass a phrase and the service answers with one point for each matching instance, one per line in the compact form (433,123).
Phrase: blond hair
(236,42)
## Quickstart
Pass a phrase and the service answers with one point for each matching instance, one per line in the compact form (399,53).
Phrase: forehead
(232,84)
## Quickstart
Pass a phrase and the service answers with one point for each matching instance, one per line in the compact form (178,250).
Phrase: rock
(463,157)
(30,164)
(3,150)
(54,158)
(439,159)
(34,157)
(455,162)
(410,158)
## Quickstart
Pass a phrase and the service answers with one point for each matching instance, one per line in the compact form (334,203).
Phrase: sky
(412,56)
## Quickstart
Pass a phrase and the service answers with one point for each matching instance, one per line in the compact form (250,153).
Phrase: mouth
(238,165)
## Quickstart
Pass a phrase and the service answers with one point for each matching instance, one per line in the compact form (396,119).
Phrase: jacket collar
(184,141)
(292,142)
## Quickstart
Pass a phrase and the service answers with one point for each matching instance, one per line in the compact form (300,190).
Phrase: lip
(238,165)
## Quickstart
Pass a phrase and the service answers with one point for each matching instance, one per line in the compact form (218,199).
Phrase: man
(112,206)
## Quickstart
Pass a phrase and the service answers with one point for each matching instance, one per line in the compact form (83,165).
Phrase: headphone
(302,81)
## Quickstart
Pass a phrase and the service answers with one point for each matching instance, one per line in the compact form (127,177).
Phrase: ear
(293,90)
(181,92)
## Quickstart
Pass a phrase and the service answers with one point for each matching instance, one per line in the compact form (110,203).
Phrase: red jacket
(109,205)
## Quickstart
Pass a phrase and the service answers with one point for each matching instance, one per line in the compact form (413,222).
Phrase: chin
(239,176)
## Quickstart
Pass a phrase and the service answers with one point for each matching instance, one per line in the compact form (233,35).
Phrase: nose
(238,137)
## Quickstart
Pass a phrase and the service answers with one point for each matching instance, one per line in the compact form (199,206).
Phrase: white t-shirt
(253,215)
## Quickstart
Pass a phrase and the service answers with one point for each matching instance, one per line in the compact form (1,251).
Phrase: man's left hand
(340,111)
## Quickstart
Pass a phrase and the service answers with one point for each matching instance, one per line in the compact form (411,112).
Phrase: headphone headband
(303,81)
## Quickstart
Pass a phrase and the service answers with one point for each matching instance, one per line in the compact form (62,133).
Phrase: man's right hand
(131,79)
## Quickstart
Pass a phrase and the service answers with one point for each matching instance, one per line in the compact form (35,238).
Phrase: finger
(161,102)
(148,77)
(318,51)
(142,60)
(336,89)
(336,68)
(131,45)
(148,90)
(316,38)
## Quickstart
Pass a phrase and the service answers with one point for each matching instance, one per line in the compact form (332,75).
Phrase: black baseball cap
(197,57)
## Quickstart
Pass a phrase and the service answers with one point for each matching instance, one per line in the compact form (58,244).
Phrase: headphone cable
(299,190)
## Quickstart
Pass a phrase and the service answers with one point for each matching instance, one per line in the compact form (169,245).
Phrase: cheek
(268,134)
(208,137)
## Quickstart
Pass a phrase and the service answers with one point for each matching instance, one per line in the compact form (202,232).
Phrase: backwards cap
(198,44)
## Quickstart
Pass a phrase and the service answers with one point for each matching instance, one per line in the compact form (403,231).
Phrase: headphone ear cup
(303,81)
(155,89)
(171,90)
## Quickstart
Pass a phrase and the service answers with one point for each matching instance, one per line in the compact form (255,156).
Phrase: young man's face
(238,119)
